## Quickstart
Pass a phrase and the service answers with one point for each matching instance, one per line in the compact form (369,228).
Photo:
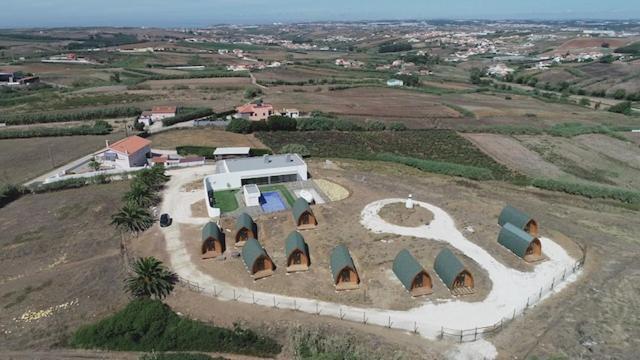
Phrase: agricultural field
(168,140)
(593,158)
(443,145)
(24,159)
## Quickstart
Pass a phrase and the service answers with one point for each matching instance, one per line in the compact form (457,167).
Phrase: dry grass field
(369,103)
(239,82)
(60,265)
(24,159)
(203,137)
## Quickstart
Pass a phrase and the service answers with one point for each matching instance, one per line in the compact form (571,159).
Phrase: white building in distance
(267,169)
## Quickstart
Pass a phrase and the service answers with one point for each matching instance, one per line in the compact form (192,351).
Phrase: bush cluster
(146,325)
(589,191)
(321,122)
(98,128)
(187,114)
(470,172)
(37,118)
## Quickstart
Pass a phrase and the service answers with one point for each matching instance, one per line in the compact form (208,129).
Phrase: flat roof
(252,189)
(232,151)
(267,162)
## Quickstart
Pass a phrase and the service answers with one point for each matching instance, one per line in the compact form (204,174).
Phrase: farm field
(62,270)
(168,140)
(593,158)
(240,82)
(443,145)
(414,109)
(23,159)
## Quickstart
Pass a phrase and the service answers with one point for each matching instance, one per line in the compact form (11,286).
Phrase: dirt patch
(62,270)
(199,209)
(398,214)
(203,137)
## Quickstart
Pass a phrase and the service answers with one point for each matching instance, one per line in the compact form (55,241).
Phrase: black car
(165,220)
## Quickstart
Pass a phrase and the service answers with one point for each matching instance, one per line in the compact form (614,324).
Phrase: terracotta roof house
(254,112)
(519,219)
(411,274)
(256,260)
(127,153)
(343,270)
(162,112)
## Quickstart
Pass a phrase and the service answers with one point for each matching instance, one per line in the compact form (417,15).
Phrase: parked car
(165,220)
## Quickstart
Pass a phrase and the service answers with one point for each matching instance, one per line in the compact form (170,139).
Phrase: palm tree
(132,218)
(150,279)
(141,195)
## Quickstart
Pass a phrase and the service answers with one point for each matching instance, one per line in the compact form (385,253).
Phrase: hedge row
(315,123)
(150,325)
(99,128)
(187,115)
(207,151)
(470,172)
(37,118)
(589,191)
(10,193)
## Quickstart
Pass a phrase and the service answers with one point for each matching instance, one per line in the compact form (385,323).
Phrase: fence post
(341,314)
(364,317)
(564,273)
(234,295)
(475,335)
(415,327)
(441,332)
(502,322)
(553,283)
(274,303)
(461,336)
(317,309)
(253,298)
(295,306)
(389,322)
(514,314)
(540,295)
(215,291)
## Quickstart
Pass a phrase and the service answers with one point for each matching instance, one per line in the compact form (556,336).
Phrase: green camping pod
(343,270)
(520,242)
(519,219)
(411,274)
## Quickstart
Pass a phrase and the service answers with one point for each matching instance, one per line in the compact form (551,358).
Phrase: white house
(292,113)
(395,82)
(251,195)
(223,153)
(162,112)
(127,153)
(267,169)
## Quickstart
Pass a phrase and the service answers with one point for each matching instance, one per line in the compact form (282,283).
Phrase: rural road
(503,301)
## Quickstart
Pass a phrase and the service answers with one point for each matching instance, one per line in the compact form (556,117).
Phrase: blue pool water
(271,202)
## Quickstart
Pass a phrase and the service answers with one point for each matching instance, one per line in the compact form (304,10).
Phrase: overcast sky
(29,13)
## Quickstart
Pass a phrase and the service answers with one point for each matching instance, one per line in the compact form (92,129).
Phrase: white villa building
(127,153)
(267,169)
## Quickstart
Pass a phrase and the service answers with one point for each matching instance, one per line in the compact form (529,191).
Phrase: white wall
(226,181)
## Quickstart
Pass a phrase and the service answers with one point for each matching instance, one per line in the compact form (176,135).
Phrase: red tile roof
(163,110)
(249,108)
(130,145)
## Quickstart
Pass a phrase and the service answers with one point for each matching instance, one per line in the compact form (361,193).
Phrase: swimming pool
(271,202)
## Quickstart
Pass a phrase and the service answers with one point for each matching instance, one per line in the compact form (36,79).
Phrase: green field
(436,145)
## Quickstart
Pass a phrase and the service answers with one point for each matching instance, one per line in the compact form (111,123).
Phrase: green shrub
(240,126)
(99,128)
(178,356)
(315,124)
(589,191)
(296,149)
(10,193)
(397,126)
(187,114)
(260,152)
(623,107)
(252,92)
(146,325)
(36,118)
(394,47)
(281,123)
(470,172)
(376,125)
(72,183)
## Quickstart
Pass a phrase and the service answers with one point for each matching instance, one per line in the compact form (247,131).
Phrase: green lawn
(226,200)
(283,191)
